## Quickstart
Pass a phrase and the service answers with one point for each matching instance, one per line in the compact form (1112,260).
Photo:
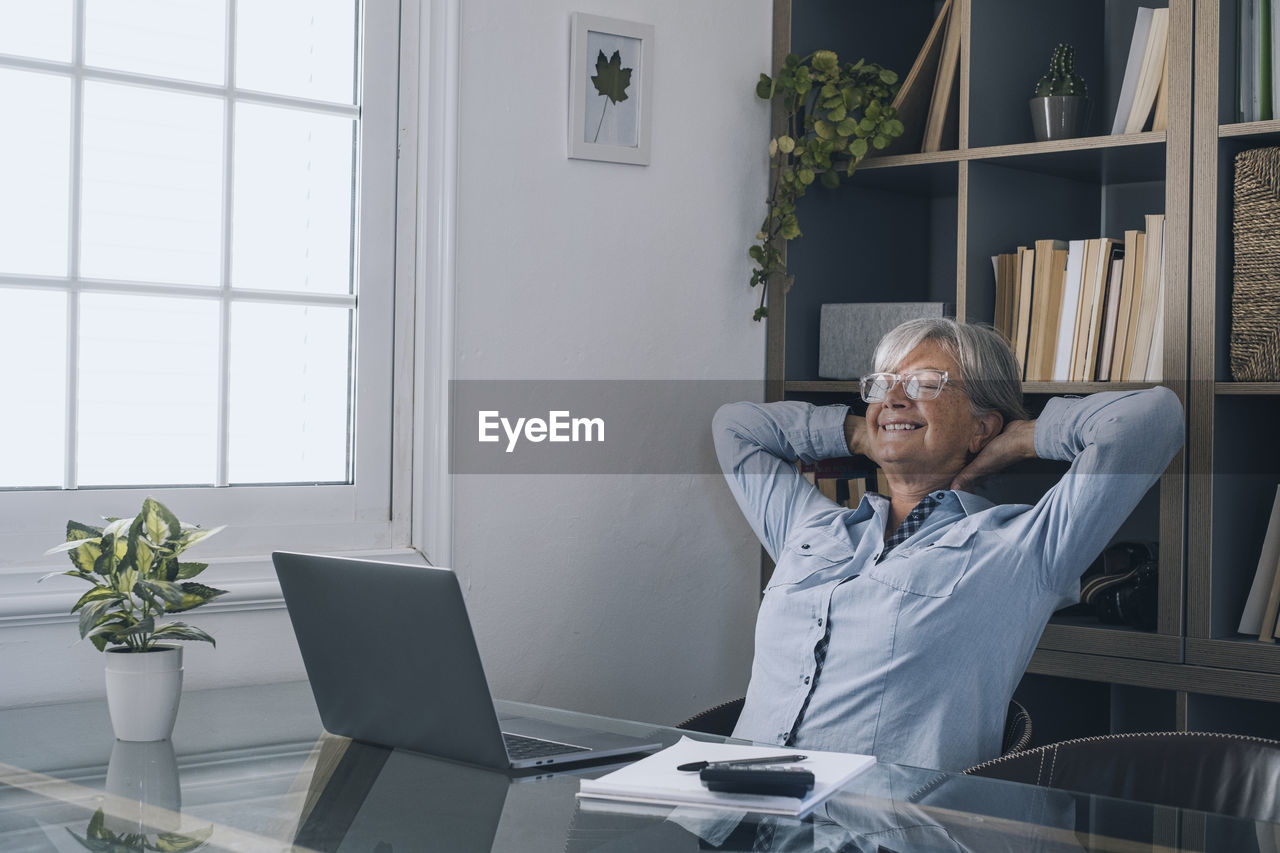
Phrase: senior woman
(901,628)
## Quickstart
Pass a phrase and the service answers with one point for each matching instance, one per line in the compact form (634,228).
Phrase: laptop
(392,661)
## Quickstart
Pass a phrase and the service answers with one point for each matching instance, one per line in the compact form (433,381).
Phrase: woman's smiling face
(931,438)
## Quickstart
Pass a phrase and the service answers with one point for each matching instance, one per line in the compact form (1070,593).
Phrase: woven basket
(1255,292)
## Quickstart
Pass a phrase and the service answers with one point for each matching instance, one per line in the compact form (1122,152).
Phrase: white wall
(631,595)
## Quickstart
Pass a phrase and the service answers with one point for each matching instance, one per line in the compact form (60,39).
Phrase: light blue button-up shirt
(928,645)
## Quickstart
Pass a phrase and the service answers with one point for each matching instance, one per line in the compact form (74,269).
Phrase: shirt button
(819,623)
(804,547)
(806,679)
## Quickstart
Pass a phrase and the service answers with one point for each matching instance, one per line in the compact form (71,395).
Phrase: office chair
(1227,774)
(721,719)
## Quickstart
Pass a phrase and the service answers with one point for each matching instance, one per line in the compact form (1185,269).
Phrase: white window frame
(371,515)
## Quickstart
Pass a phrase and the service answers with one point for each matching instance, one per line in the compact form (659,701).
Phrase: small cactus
(1062,78)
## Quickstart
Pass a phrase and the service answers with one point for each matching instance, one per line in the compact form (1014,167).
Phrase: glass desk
(250,769)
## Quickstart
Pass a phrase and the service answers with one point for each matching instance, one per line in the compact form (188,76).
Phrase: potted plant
(1060,107)
(132,565)
(833,115)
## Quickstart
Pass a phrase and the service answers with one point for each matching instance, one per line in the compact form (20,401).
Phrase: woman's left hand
(1015,443)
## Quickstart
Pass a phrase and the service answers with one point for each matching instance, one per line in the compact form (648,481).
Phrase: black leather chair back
(1222,773)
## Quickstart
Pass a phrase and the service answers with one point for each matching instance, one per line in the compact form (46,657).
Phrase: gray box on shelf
(848,332)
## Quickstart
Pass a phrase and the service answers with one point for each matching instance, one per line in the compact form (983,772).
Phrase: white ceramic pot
(142,778)
(143,689)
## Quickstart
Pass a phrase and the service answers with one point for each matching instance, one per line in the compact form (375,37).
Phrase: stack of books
(1257,63)
(1085,310)
(1144,90)
(928,102)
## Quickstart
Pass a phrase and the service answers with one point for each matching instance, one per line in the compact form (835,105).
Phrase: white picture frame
(620,54)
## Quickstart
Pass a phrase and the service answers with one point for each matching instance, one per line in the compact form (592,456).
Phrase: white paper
(1256,603)
(655,780)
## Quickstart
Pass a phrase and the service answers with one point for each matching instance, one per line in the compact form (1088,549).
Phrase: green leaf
(887,76)
(158,522)
(893,128)
(611,79)
(191,535)
(76,531)
(806,176)
(838,113)
(108,632)
(786,144)
(172,842)
(756,253)
(847,128)
(823,129)
(830,179)
(96,612)
(181,631)
(94,594)
(858,148)
(825,60)
(73,574)
(880,141)
(790,229)
(194,595)
(764,89)
(171,593)
(143,626)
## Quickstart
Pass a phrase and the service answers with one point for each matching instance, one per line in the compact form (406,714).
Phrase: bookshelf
(1233,464)
(923,227)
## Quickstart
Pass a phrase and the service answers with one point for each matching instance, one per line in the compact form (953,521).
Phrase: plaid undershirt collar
(911,523)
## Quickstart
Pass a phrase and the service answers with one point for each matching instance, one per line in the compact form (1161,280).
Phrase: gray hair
(990,374)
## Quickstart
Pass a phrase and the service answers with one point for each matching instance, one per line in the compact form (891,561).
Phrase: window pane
(34,173)
(304,48)
(39,28)
(33,386)
(184,39)
(148,390)
(152,194)
(289,393)
(291,225)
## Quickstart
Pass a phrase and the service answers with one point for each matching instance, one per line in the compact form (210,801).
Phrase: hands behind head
(1015,443)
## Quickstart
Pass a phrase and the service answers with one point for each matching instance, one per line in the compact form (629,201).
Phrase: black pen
(768,759)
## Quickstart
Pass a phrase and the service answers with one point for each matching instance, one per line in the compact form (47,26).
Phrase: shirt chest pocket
(932,569)
(805,555)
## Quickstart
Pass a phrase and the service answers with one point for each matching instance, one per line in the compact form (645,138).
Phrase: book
(1160,119)
(1105,248)
(1132,256)
(1084,310)
(1022,323)
(1135,306)
(1271,613)
(1046,309)
(1153,56)
(654,780)
(1145,310)
(943,117)
(1103,371)
(913,98)
(1155,361)
(1129,83)
(1073,278)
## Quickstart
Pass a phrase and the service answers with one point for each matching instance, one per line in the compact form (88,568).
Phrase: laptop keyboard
(520,747)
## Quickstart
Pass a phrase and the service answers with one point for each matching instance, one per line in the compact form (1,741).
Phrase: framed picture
(610,89)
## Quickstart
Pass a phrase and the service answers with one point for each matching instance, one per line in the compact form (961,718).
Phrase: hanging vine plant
(834,114)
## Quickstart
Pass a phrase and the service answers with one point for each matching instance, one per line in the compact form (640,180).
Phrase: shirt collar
(970,503)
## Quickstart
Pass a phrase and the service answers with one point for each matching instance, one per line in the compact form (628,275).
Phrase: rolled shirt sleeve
(758,445)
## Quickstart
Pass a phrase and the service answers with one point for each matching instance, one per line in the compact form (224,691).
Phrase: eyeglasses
(917,385)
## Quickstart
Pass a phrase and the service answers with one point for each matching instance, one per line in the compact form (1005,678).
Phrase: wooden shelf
(1247,389)
(1249,128)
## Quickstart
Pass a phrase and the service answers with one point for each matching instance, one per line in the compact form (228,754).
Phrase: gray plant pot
(1059,116)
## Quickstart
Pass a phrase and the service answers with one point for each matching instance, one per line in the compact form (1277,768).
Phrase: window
(197,216)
